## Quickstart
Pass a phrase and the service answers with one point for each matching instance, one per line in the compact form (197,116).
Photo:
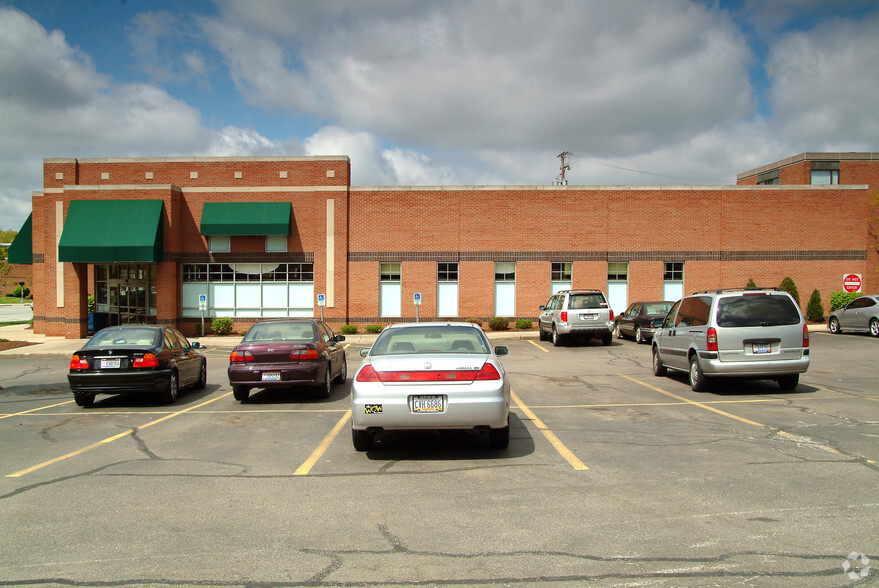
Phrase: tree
(815,308)
(788,286)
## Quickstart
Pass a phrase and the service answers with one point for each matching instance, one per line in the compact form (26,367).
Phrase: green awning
(245,218)
(21,251)
(112,231)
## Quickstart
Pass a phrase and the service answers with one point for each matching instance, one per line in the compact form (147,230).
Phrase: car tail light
(79,363)
(488,372)
(611,314)
(147,361)
(240,356)
(300,354)
(367,374)
(564,316)
(712,339)
(805,336)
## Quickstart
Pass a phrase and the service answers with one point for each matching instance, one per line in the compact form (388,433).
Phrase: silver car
(860,315)
(430,376)
(753,332)
(576,313)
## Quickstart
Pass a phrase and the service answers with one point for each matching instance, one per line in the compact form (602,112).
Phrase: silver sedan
(431,376)
(860,315)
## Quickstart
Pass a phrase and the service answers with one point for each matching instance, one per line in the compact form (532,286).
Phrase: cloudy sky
(444,92)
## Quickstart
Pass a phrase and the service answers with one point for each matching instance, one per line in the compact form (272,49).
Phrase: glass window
(447,271)
(757,311)
(674,271)
(505,271)
(824,177)
(617,271)
(561,271)
(219,243)
(276,243)
(505,288)
(390,272)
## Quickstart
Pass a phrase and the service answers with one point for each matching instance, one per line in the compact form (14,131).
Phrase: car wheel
(343,373)
(241,393)
(833,325)
(363,440)
(169,396)
(789,382)
(659,369)
(499,438)
(84,400)
(203,376)
(325,387)
(638,337)
(617,333)
(556,338)
(698,381)
(607,338)
(874,327)
(541,333)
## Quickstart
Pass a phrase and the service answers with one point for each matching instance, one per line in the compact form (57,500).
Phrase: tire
(556,338)
(789,382)
(343,374)
(542,333)
(84,400)
(499,438)
(698,381)
(363,440)
(833,325)
(203,376)
(169,395)
(874,327)
(659,370)
(241,393)
(617,333)
(607,338)
(638,337)
(326,387)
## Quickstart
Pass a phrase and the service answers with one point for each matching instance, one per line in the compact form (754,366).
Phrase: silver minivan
(751,332)
(572,313)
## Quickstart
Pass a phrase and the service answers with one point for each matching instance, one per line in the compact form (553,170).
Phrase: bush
(475,321)
(349,329)
(91,303)
(840,299)
(751,283)
(17,292)
(222,325)
(499,323)
(788,286)
(524,324)
(373,329)
(815,308)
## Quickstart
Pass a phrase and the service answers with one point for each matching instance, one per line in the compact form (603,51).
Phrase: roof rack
(745,289)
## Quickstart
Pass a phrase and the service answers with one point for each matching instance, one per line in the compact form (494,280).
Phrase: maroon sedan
(278,354)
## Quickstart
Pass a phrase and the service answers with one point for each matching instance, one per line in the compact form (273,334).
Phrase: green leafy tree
(788,286)
(815,308)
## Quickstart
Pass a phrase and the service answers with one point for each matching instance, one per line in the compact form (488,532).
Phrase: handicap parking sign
(321,300)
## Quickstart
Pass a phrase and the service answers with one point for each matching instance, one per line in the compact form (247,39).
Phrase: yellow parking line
(550,436)
(317,453)
(111,439)
(6,416)
(538,346)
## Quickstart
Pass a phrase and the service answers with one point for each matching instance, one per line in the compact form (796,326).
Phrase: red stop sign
(852,283)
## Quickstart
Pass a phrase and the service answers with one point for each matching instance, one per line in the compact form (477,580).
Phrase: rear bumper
(119,382)
(291,374)
(585,331)
(780,367)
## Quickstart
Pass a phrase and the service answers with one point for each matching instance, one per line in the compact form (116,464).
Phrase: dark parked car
(136,358)
(641,320)
(277,354)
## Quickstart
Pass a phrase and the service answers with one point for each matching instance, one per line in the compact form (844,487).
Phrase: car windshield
(280,332)
(757,311)
(127,337)
(437,339)
(656,307)
(586,301)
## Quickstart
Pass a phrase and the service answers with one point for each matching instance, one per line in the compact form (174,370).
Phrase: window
(673,280)
(560,276)
(276,243)
(617,271)
(447,289)
(769,178)
(674,271)
(694,312)
(505,288)
(390,290)
(618,285)
(825,173)
(219,243)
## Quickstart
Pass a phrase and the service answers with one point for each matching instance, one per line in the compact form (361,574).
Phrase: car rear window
(445,339)
(656,307)
(280,332)
(757,311)
(130,337)
(579,301)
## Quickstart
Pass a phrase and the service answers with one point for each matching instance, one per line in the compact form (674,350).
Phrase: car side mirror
(364,352)
(542,307)
(339,338)
(501,350)
(197,345)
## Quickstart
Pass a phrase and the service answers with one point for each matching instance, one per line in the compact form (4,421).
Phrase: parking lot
(612,477)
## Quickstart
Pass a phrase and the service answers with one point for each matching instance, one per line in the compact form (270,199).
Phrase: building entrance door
(126,292)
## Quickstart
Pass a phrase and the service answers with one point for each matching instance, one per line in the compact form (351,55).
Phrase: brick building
(262,237)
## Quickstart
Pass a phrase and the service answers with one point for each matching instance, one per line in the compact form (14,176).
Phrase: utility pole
(564,167)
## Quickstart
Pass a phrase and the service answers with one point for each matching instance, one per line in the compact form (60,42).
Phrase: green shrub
(373,329)
(475,321)
(498,323)
(222,325)
(840,299)
(349,329)
(17,292)
(91,303)
(524,324)
(788,286)
(751,283)
(815,308)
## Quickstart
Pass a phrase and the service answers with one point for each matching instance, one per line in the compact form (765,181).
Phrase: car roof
(433,324)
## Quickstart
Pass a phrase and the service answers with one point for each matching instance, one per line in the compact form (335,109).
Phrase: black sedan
(278,354)
(641,320)
(136,358)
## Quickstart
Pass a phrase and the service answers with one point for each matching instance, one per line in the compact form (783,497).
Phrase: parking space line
(111,439)
(550,436)
(6,416)
(538,346)
(317,453)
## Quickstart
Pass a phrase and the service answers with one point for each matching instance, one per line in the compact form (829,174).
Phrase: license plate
(427,404)
(762,348)
(110,363)
(588,317)
(271,376)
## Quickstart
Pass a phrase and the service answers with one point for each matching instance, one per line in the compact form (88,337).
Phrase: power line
(637,171)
